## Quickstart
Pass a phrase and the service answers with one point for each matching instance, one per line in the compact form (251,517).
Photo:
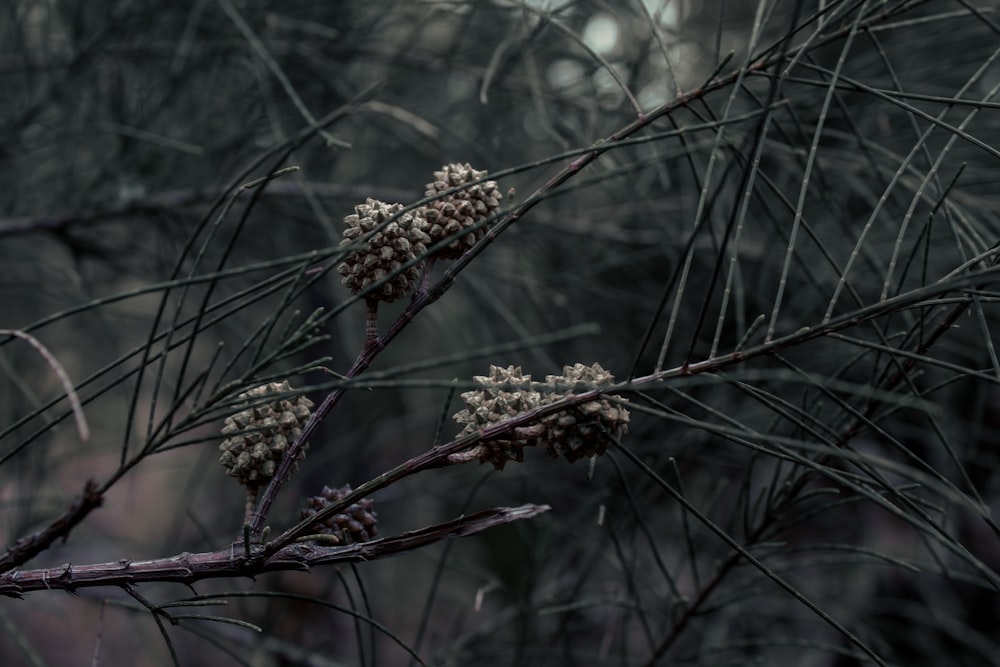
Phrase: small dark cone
(357,523)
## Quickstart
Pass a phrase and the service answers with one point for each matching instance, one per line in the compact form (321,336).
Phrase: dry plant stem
(371,322)
(188,568)
(425,277)
(251,504)
(27,548)
(421,299)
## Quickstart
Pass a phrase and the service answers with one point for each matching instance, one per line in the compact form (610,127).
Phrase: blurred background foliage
(869,182)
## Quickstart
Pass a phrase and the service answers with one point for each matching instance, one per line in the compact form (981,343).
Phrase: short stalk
(371,323)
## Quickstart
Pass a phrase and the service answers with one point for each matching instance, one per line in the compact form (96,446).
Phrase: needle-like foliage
(774,223)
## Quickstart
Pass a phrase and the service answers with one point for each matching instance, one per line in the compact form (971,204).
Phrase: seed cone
(585,430)
(503,394)
(395,244)
(260,434)
(451,216)
(357,523)
(579,432)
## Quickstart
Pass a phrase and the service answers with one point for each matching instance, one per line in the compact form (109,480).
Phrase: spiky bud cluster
(356,523)
(453,215)
(260,434)
(385,251)
(586,429)
(504,393)
(578,432)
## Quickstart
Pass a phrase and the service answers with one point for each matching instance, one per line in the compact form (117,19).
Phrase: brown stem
(371,322)
(187,568)
(425,277)
(251,504)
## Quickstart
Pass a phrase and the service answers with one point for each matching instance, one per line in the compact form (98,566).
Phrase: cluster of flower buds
(387,246)
(385,250)
(261,433)
(396,238)
(456,213)
(581,431)
(587,429)
(502,394)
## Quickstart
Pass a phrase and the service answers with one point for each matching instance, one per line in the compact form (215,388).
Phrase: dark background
(122,123)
